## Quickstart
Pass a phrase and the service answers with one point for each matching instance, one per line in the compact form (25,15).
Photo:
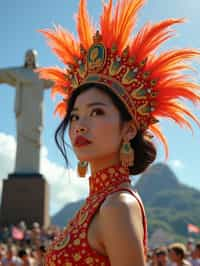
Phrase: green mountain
(170,205)
(62,217)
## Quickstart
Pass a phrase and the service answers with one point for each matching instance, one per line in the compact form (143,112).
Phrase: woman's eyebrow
(91,105)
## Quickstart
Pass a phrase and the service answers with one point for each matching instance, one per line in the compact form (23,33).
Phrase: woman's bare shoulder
(121,228)
(121,200)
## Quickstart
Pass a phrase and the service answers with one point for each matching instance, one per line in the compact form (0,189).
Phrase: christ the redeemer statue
(28,111)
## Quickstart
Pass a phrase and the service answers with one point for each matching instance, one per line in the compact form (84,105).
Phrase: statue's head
(31,59)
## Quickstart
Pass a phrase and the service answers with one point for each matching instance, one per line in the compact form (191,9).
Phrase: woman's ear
(129,131)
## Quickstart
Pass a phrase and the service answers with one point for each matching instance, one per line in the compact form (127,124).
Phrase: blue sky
(19,22)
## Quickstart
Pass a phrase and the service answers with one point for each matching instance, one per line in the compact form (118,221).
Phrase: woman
(114,89)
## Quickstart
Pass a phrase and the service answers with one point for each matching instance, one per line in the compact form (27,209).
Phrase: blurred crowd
(176,254)
(20,246)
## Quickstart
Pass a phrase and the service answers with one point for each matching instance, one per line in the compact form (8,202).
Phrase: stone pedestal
(25,197)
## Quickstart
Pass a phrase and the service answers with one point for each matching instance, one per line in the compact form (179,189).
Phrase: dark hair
(42,248)
(22,253)
(198,246)
(179,249)
(161,251)
(145,151)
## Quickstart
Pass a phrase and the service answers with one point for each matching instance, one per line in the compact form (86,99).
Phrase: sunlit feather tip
(85,28)
(117,22)
(61,109)
(151,36)
(62,43)
(155,129)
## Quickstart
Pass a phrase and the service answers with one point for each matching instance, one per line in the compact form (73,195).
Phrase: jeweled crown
(150,85)
(121,74)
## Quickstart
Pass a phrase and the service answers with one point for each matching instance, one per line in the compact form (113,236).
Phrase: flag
(193,229)
(17,233)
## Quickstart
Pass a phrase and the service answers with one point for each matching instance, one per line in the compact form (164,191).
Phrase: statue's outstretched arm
(8,75)
(48,84)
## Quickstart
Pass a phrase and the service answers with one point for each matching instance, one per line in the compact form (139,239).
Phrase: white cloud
(65,186)
(7,154)
(177,164)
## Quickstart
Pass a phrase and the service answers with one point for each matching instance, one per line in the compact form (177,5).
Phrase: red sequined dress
(72,247)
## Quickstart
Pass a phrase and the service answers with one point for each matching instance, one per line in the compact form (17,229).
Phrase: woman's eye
(97,112)
(73,118)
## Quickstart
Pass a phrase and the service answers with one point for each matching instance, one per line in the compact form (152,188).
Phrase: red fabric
(72,247)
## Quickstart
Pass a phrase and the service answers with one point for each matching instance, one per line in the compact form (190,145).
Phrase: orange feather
(84,26)
(57,90)
(63,44)
(58,76)
(52,73)
(155,129)
(61,109)
(173,113)
(117,23)
(106,24)
(171,61)
(185,90)
(150,37)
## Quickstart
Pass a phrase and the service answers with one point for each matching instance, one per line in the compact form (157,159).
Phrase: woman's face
(95,118)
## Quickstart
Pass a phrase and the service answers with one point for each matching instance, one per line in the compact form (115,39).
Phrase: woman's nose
(81,129)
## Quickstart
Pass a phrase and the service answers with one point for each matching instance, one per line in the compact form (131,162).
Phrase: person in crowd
(152,259)
(26,258)
(36,234)
(22,254)
(149,257)
(11,258)
(195,256)
(2,252)
(5,234)
(177,253)
(162,256)
(115,89)
(40,254)
(159,257)
(190,245)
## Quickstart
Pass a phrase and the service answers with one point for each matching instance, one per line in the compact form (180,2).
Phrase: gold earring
(126,154)
(82,168)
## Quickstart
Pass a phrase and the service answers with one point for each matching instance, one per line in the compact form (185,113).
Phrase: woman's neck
(104,163)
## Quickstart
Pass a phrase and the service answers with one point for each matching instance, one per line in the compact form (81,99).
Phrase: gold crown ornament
(150,85)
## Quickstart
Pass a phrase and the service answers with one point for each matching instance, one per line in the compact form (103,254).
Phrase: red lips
(81,141)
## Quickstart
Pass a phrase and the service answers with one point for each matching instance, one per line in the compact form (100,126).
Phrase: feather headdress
(150,85)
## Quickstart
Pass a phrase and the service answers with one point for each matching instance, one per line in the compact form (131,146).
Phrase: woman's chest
(73,246)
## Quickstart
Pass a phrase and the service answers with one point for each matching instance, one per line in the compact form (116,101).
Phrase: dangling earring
(126,154)
(82,168)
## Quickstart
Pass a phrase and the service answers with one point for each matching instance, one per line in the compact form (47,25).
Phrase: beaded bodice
(72,248)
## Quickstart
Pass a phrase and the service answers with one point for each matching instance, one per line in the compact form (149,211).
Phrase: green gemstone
(126,147)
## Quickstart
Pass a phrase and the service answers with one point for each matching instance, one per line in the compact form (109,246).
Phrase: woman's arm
(122,230)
